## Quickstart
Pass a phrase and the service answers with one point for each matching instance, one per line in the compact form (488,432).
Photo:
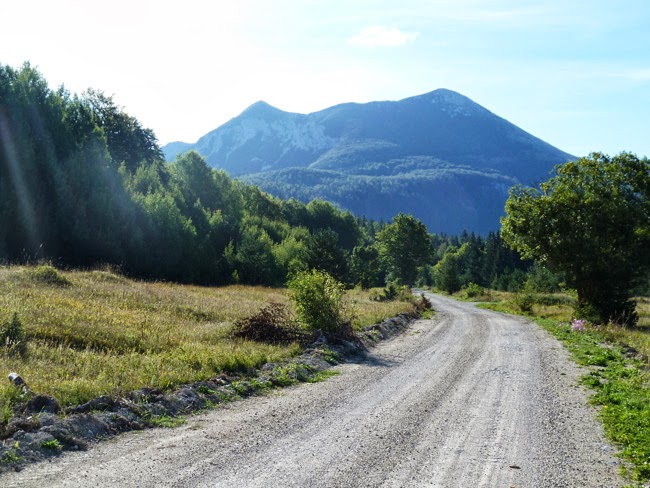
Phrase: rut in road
(470,398)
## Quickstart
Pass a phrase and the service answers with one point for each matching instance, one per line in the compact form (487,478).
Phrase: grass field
(91,333)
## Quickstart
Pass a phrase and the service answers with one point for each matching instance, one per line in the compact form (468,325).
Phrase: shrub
(318,300)
(472,290)
(273,324)
(12,335)
(524,301)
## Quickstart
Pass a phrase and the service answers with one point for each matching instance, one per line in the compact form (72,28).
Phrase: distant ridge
(440,156)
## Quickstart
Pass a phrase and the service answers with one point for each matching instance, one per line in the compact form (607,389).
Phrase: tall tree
(592,222)
(404,246)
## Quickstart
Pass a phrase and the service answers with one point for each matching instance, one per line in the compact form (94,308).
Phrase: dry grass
(102,333)
(368,312)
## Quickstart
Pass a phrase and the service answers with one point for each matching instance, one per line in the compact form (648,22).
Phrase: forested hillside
(83,184)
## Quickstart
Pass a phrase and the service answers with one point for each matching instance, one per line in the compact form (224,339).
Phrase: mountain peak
(452,102)
(261,109)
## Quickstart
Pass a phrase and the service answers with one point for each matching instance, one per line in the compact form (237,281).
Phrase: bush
(318,300)
(524,301)
(273,324)
(12,336)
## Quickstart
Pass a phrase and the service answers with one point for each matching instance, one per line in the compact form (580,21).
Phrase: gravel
(470,398)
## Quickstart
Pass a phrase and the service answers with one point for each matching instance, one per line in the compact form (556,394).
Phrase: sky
(574,73)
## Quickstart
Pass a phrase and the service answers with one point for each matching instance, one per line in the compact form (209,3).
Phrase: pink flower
(578,325)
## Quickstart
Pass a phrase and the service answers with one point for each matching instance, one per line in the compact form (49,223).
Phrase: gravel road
(471,398)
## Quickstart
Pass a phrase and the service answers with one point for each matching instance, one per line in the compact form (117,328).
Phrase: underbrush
(618,361)
(93,333)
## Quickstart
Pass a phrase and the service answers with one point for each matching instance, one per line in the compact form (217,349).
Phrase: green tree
(405,245)
(365,267)
(253,259)
(592,223)
(128,142)
(324,254)
(448,270)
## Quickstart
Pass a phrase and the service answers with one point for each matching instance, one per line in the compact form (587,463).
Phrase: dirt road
(470,399)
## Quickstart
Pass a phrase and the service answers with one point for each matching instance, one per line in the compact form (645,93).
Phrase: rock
(102,403)
(42,403)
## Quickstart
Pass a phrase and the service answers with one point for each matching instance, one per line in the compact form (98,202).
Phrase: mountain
(440,156)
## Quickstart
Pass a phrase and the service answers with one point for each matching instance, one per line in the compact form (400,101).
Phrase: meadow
(93,333)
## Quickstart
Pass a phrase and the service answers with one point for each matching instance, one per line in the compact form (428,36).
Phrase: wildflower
(578,325)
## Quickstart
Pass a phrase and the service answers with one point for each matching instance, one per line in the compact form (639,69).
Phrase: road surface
(471,398)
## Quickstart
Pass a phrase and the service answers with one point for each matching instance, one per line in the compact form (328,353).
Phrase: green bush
(472,290)
(318,300)
(524,301)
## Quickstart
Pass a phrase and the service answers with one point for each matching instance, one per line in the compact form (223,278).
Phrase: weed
(392,291)
(166,421)
(331,356)
(12,456)
(52,444)
(524,301)
(322,375)
(205,390)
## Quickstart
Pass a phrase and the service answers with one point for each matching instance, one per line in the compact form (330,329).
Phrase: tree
(128,142)
(592,222)
(324,254)
(405,245)
(447,270)
(365,268)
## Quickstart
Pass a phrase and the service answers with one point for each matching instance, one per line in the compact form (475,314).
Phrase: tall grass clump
(12,336)
(47,274)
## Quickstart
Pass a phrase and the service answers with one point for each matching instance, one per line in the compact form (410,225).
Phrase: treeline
(82,184)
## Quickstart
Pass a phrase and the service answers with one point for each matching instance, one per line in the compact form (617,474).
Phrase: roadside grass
(93,333)
(368,312)
(618,361)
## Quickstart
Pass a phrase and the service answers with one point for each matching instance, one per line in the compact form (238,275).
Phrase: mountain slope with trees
(83,184)
(440,156)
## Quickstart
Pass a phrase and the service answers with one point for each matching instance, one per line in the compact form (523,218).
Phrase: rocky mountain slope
(439,156)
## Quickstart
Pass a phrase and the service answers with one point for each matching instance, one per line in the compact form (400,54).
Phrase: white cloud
(379,36)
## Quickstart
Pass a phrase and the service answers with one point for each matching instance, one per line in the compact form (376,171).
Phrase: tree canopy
(592,222)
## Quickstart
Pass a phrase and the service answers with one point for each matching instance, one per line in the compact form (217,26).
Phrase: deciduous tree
(592,222)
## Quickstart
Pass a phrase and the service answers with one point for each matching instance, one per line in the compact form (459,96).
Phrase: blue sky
(574,73)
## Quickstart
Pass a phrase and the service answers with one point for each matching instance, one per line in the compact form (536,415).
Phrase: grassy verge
(618,361)
(93,333)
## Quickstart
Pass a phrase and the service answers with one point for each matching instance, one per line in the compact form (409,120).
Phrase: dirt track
(470,399)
